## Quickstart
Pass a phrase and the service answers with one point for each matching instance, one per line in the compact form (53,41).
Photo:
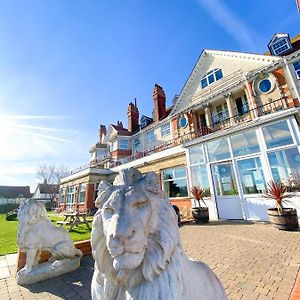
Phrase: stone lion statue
(137,249)
(36,233)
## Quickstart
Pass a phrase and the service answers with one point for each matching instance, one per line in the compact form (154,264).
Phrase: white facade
(236,167)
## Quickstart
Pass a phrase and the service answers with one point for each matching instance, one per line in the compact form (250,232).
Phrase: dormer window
(211,77)
(280,44)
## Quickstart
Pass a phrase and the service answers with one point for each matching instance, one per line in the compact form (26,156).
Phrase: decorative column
(250,98)
(208,116)
(230,108)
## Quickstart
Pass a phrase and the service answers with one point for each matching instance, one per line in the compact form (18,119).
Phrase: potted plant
(200,213)
(281,217)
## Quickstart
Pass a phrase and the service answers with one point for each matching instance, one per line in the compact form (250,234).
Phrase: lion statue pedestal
(35,234)
(137,249)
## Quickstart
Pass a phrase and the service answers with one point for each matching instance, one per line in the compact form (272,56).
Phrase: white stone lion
(137,249)
(36,233)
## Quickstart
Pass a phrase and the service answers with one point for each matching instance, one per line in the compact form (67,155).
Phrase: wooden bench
(61,223)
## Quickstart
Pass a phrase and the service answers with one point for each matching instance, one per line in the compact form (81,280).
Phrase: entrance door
(228,200)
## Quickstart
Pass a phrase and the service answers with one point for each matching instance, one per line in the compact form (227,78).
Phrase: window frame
(296,66)
(150,136)
(165,129)
(239,173)
(174,178)
(281,48)
(205,82)
(71,195)
(121,147)
(80,191)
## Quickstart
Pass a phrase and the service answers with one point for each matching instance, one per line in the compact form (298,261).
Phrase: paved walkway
(253,261)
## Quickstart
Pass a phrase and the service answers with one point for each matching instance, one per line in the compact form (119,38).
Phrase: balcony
(220,121)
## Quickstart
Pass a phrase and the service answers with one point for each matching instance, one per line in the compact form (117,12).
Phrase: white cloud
(231,23)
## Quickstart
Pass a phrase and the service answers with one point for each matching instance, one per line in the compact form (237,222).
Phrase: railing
(241,115)
(93,163)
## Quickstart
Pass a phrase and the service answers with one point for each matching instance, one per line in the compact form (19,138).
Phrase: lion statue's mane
(36,233)
(164,272)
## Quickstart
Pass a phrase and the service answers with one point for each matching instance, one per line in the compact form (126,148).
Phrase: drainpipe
(291,78)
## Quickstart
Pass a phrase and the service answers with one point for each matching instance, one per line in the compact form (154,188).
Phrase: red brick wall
(120,152)
(89,196)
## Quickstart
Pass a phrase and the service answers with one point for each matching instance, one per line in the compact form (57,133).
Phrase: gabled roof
(194,78)
(11,192)
(45,188)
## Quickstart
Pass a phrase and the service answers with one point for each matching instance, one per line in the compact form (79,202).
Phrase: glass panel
(218,150)
(285,166)
(196,155)
(176,188)
(211,78)
(199,177)
(277,135)
(204,83)
(168,174)
(123,144)
(165,129)
(265,85)
(180,172)
(224,180)
(150,136)
(244,143)
(252,176)
(219,74)
(297,68)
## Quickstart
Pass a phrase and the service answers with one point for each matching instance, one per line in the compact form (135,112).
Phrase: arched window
(211,77)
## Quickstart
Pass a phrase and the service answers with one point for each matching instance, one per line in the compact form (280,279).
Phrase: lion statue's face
(126,217)
(135,229)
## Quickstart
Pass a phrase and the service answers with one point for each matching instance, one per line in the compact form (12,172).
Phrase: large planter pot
(287,221)
(200,214)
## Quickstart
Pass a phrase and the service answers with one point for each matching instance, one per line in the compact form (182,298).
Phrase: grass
(9,229)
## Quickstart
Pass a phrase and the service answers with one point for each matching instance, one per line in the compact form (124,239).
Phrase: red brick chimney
(159,98)
(102,132)
(120,124)
(133,117)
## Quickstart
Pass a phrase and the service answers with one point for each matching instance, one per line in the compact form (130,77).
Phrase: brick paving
(253,261)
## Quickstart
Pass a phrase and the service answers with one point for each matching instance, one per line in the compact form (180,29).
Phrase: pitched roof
(48,188)
(11,192)
(182,101)
(121,130)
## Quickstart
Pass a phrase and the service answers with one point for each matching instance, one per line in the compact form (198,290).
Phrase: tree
(51,176)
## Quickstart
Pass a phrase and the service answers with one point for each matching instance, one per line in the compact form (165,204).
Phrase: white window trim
(177,178)
(297,71)
(120,146)
(212,72)
(165,128)
(150,134)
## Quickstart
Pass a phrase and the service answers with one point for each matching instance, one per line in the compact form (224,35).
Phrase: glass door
(227,197)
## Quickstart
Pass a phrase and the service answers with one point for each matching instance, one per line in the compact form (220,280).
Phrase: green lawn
(9,229)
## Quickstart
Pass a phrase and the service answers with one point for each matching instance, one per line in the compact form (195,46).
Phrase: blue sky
(66,66)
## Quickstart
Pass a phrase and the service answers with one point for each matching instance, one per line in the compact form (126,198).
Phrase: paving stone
(11,259)
(4,272)
(253,261)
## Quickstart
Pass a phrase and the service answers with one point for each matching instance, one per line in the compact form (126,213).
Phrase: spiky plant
(198,193)
(277,192)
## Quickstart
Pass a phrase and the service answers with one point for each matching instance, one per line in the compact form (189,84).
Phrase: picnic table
(73,219)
